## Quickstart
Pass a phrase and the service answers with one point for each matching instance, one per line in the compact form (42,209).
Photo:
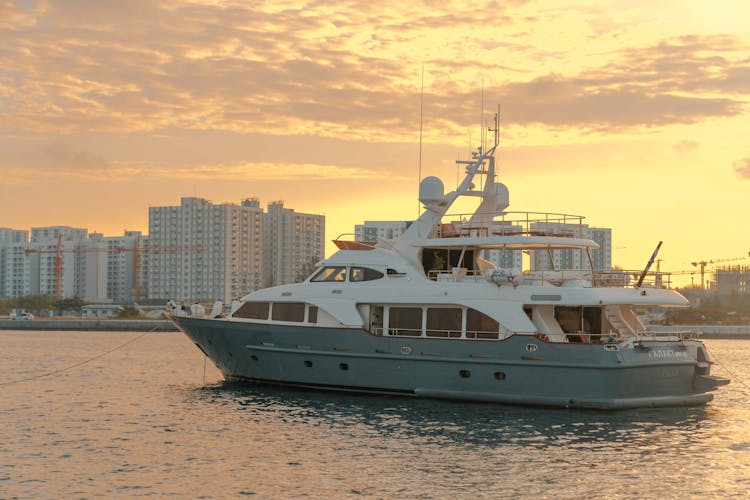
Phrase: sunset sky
(633,113)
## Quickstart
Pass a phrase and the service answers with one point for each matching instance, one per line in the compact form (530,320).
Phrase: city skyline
(194,250)
(633,114)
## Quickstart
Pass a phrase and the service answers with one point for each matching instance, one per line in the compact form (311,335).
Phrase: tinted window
(335,273)
(252,310)
(312,314)
(444,322)
(405,321)
(480,326)
(288,311)
(364,274)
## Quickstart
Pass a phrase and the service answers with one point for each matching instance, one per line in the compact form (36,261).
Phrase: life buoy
(543,337)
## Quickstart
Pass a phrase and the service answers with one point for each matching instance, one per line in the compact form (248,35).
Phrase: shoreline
(91,325)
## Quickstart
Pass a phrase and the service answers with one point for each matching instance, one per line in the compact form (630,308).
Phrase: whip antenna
(421,108)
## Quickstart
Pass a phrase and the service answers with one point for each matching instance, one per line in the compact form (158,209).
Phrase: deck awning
(514,242)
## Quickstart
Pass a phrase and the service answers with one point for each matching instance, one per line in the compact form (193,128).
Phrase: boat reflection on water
(439,421)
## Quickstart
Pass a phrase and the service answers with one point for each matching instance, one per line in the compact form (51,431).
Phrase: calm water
(143,421)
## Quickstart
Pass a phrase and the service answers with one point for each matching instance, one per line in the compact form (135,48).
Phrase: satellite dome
(431,190)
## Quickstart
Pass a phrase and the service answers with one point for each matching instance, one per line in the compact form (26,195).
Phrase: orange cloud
(742,167)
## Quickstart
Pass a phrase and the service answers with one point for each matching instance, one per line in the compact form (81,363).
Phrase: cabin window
(569,318)
(441,259)
(480,326)
(312,314)
(333,273)
(252,310)
(364,274)
(405,321)
(444,322)
(288,311)
(584,324)
(376,320)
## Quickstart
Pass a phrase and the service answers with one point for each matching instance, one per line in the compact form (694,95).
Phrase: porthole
(344,366)
(465,373)
(499,375)
(308,363)
(254,357)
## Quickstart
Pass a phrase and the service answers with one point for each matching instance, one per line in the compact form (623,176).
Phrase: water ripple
(142,421)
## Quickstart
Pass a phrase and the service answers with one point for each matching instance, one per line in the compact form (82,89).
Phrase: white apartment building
(8,235)
(96,269)
(53,270)
(603,256)
(108,269)
(202,251)
(505,259)
(570,258)
(374,230)
(52,233)
(292,243)
(15,279)
(14,263)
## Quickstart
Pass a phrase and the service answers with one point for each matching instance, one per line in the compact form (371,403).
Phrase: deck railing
(512,223)
(619,278)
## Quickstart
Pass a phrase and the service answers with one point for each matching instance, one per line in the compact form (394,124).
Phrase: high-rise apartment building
(199,250)
(53,258)
(14,263)
(292,243)
(374,230)
(505,259)
(8,235)
(52,233)
(571,258)
(109,269)
(602,257)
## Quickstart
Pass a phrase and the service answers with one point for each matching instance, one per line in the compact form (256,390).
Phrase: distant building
(109,269)
(571,258)
(8,235)
(195,251)
(602,257)
(14,263)
(373,231)
(15,270)
(732,280)
(202,251)
(505,259)
(292,243)
(52,233)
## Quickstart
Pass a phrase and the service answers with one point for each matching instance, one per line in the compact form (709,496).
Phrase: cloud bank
(329,69)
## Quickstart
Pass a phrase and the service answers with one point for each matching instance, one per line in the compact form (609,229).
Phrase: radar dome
(502,196)
(431,190)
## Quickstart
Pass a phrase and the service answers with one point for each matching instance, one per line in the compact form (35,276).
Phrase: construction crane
(703,263)
(58,263)
(137,250)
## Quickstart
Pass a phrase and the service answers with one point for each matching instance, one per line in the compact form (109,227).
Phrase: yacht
(447,310)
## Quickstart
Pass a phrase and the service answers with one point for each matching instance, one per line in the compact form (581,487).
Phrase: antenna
(481,120)
(421,110)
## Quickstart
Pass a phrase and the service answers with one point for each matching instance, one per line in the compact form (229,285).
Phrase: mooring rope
(76,365)
(733,375)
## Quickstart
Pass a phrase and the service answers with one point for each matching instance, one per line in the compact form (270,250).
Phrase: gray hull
(518,370)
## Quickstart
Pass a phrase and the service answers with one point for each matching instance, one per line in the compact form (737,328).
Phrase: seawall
(95,325)
(707,331)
